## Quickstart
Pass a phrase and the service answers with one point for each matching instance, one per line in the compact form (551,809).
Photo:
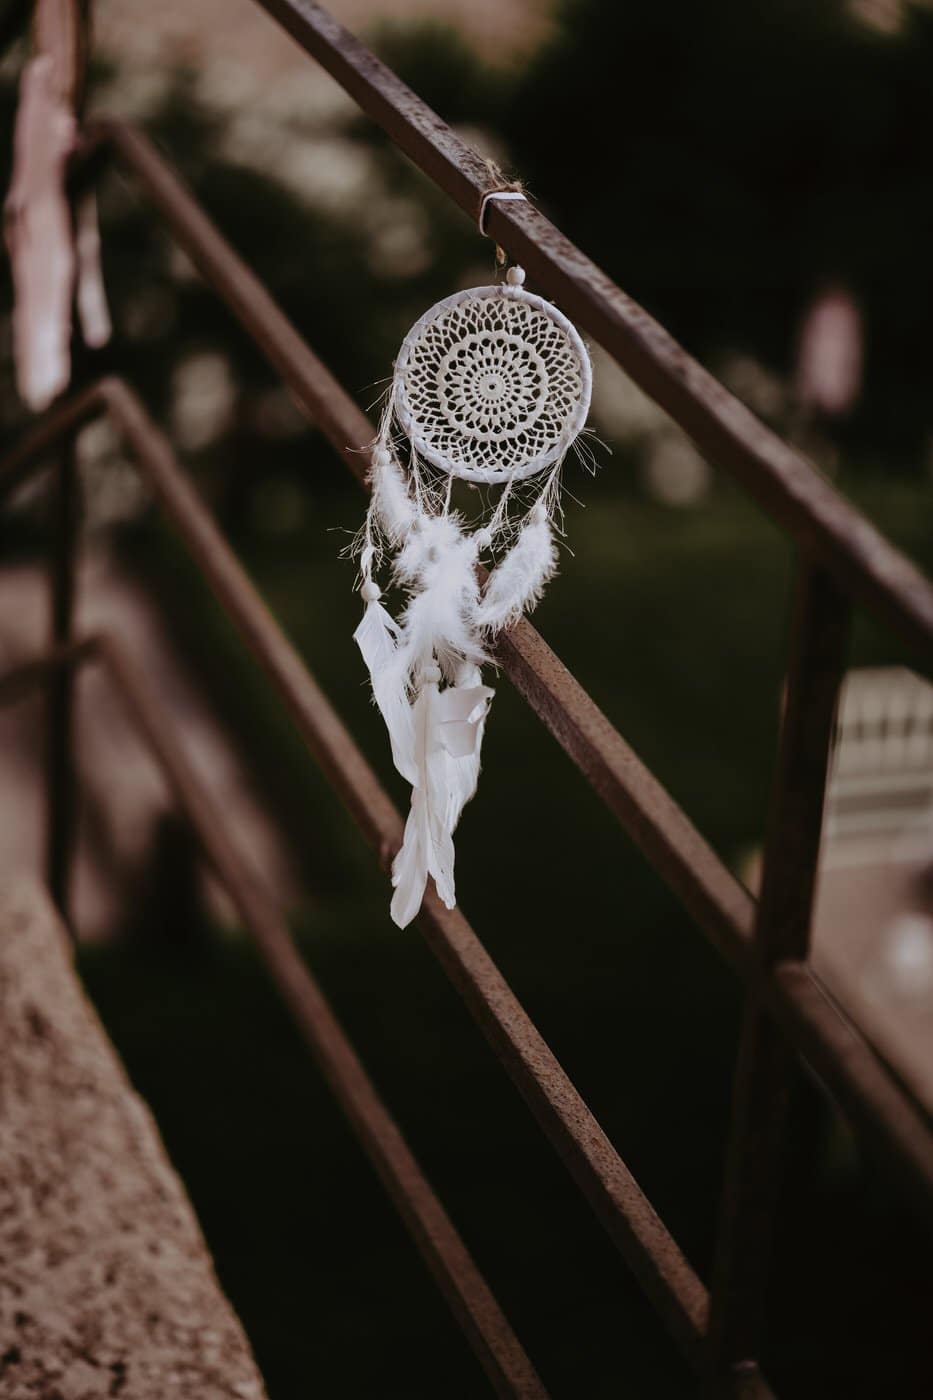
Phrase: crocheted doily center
(491,386)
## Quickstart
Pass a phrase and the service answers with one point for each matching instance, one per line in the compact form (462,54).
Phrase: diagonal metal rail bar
(839,548)
(898,1132)
(711,894)
(649,1249)
(21,679)
(825,525)
(42,439)
(722,907)
(827,1040)
(438,1241)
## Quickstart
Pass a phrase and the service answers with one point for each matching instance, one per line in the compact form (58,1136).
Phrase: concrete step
(106,1284)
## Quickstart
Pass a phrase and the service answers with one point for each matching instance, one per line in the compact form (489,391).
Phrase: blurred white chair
(873,922)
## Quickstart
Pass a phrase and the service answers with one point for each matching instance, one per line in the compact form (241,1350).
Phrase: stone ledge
(106,1284)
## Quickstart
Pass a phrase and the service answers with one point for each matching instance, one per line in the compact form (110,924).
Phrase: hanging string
(502,189)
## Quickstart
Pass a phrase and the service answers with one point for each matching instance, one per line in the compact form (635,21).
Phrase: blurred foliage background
(725,163)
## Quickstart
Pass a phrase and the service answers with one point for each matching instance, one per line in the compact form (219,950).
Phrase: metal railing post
(60,780)
(65,532)
(842,555)
(767,1064)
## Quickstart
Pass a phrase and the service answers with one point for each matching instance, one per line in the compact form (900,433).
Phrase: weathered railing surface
(843,561)
(442,1248)
(565,1118)
(795,496)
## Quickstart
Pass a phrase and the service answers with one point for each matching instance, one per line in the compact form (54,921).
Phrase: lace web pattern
(492,385)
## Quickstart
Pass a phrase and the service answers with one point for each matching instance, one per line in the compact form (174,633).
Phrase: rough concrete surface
(106,1284)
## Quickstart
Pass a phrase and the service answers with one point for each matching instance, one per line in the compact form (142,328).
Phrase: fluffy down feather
(392,506)
(517,583)
(438,565)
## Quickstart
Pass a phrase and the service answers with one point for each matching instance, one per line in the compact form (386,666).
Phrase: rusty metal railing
(795,496)
(843,561)
(596,1166)
(444,1252)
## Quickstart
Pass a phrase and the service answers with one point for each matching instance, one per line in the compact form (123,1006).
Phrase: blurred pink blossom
(38,234)
(829,359)
(50,248)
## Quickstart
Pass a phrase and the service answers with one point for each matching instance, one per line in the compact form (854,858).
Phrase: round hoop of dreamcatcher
(492,384)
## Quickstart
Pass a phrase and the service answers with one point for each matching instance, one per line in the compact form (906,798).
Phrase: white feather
(392,506)
(438,564)
(517,583)
(427,848)
(410,869)
(460,711)
(377,638)
(463,769)
(448,768)
(436,789)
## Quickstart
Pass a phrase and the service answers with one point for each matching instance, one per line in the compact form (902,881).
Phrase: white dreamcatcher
(491,386)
